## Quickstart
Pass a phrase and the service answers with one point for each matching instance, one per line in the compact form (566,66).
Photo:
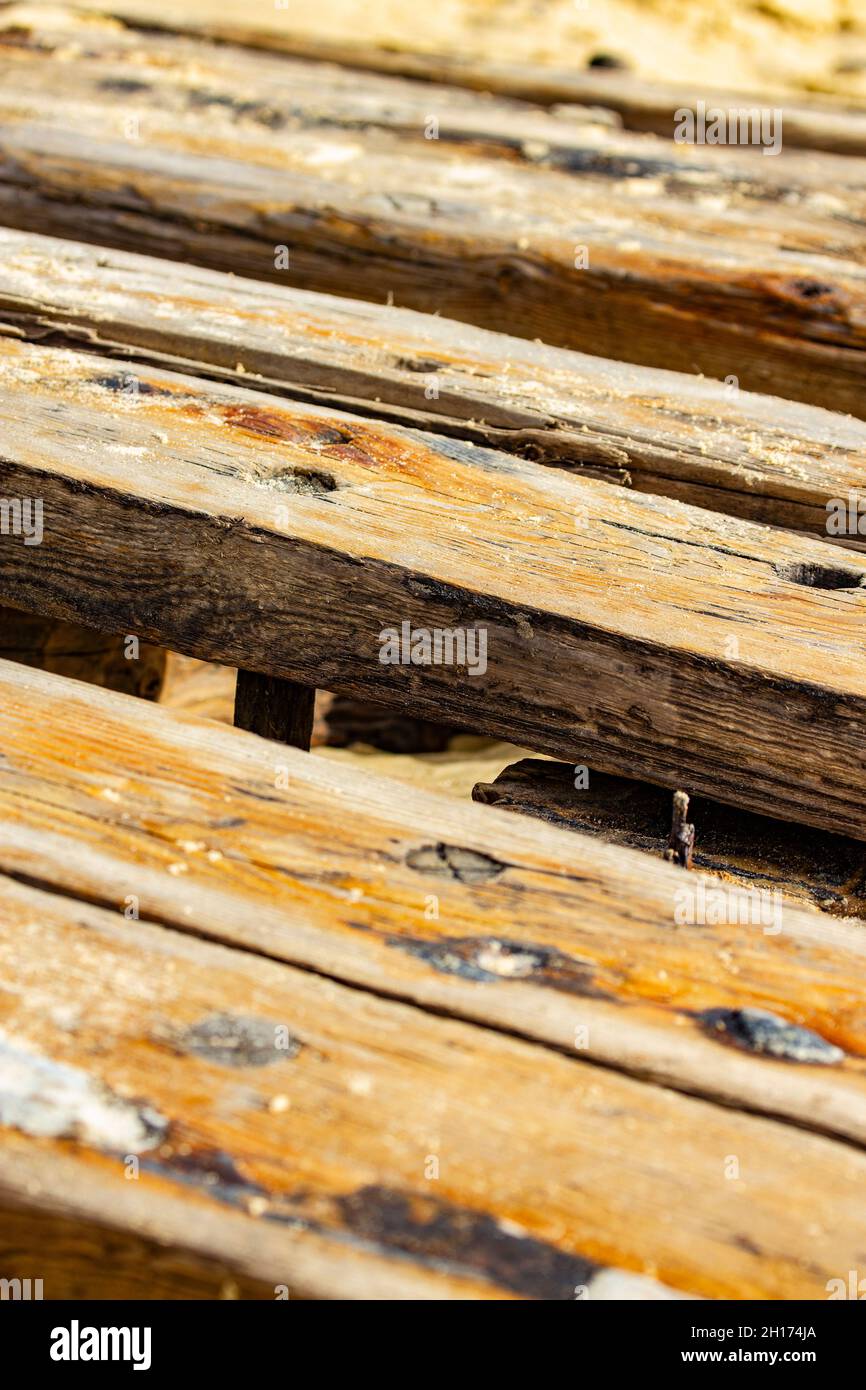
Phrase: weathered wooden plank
(819,870)
(628,632)
(272,508)
(737,270)
(699,441)
(465,909)
(824,124)
(334,1144)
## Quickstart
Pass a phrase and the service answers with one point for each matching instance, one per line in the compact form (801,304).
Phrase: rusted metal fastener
(681,844)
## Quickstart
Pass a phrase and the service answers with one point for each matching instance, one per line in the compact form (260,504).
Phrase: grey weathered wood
(822,123)
(696,440)
(277,709)
(677,259)
(629,632)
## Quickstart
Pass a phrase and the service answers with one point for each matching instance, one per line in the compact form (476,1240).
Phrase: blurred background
(784,45)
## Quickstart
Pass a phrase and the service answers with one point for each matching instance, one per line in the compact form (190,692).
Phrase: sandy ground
(783,45)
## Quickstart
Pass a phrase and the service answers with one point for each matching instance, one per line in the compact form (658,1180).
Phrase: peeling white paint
(48,1099)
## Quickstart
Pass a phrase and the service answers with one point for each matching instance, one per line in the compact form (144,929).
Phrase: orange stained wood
(319,1138)
(539,931)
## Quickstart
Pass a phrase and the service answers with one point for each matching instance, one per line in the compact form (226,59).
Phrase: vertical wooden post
(274,708)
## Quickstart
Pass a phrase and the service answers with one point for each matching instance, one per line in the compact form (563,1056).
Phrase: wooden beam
(822,123)
(721,265)
(331,1144)
(822,871)
(757,457)
(628,632)
(277,709)
(460,908)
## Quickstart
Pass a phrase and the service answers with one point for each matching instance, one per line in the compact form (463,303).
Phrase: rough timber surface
(283,538)
(457,908)
(752,456)
(817,870)
(819,123)
(287,1126)
(727,265)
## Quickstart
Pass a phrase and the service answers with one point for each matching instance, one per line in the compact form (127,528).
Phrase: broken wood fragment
(819,870)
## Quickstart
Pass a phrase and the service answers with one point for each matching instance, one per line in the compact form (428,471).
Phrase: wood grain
(699,441)
(693,260)
(384,1153)
(460,908)
(822,871)
(82,1258)
(815,123)
(273,708)
(632,633)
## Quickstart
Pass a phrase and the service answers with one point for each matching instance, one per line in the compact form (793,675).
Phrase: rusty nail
(682,837)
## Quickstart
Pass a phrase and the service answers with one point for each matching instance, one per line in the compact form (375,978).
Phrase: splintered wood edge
(761,458)
(486,915)
(309,1165)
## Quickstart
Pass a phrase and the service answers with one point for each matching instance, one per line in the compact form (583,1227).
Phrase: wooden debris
(817,870)
(558,937)
(764,285)
(701,442)
(629,632)
(419,1156)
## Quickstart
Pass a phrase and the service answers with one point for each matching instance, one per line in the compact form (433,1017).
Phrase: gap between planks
(292,856)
